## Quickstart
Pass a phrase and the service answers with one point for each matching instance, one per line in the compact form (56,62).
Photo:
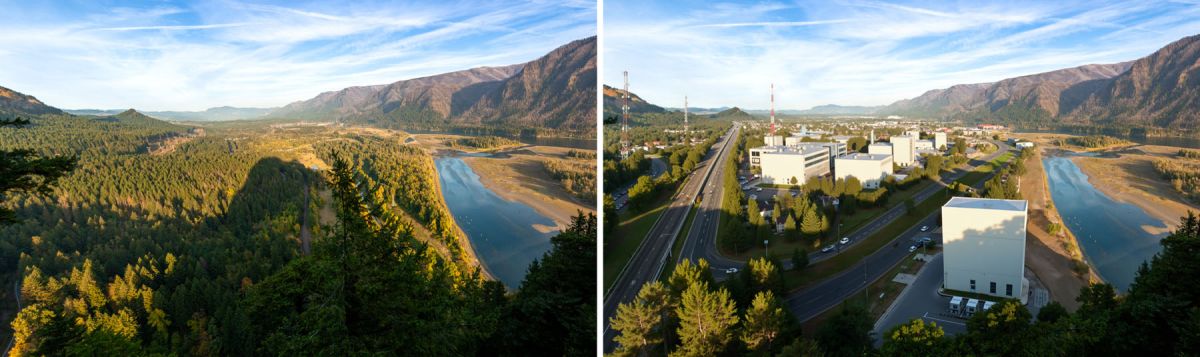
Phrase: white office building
(880,148)
(984,246)
(939,140)
(782,163)
(903,150)
(870,169)
(773,140)
(923,145)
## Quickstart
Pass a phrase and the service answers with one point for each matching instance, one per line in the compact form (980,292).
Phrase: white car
(827,249)
(912,249)
(845,240)
(731,271)
(758,189)
(924,228)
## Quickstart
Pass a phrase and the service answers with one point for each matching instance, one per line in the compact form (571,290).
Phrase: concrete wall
(870,172)
(987,245)
(780,168)
(903,150)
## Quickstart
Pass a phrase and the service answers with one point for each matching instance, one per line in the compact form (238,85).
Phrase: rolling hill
(13,103)
(612,103)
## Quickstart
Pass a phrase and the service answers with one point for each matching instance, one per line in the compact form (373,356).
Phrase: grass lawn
(619,246)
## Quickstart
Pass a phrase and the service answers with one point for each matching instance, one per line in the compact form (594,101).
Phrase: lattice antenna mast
(625,116)
(685,115)
(772,109)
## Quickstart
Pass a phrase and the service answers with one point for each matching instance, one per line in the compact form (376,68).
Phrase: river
(572,143)
(1111,233)
(502,232)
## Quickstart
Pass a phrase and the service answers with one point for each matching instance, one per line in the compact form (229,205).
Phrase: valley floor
(1131,178)
(518,176)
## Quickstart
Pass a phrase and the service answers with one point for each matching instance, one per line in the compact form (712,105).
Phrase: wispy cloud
(868,52)
(191,56)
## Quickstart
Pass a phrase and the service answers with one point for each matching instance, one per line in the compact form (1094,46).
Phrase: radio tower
(772,109)
(625,117)
(685,114)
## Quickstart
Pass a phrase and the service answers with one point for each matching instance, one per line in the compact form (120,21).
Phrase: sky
(175,55)
(866,52)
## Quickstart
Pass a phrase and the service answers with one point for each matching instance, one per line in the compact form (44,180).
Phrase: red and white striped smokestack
(772,109)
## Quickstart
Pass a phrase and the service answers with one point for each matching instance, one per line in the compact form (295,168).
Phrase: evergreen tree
(706,321)
(810,226)
(638,321)
(763,323)
(22,170)
(799,259)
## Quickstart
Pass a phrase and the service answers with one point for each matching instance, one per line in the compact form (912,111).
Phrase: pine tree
(706,321)
(687,274)
(763,323)
(638,321)
(22,170)
(810,226)
(789,228)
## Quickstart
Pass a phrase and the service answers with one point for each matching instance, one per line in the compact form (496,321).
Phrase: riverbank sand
(519,176)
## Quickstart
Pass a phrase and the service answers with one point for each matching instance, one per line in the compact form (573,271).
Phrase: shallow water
(501,232)
(1111,233)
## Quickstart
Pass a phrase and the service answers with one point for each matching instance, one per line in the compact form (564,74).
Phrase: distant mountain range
(1162,89)
(210,114)
(556,91)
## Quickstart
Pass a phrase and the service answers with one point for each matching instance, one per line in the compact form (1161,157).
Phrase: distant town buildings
(984,246)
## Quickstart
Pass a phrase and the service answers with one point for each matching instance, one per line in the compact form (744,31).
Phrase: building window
(972,284)
(1008,289)
(992,289)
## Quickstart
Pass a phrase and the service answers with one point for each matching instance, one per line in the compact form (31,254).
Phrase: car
(845,240)
(758,189)
(731,271)
(912,249)
(827,249)
(924,228)
(926,240)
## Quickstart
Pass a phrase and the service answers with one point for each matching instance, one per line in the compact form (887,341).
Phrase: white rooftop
(988,203)
(862,156)
(790,150)
(881,144)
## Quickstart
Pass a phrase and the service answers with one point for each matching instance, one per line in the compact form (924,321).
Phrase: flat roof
(789,150)
(864,157)
(988,203)
(881,144)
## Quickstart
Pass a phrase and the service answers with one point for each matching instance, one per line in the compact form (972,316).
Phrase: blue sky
(866,52)
(173,55)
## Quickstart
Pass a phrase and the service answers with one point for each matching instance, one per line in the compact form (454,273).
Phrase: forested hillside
(197,251)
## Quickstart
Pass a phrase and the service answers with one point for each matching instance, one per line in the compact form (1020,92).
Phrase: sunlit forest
(249,239)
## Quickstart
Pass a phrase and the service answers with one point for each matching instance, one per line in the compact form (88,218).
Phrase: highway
(652,253)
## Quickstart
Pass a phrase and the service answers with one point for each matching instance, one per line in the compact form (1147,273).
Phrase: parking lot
(921,300)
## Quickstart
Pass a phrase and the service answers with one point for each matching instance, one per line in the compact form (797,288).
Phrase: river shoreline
(1051,256)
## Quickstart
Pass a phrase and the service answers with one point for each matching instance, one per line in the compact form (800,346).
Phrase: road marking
(926,315)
